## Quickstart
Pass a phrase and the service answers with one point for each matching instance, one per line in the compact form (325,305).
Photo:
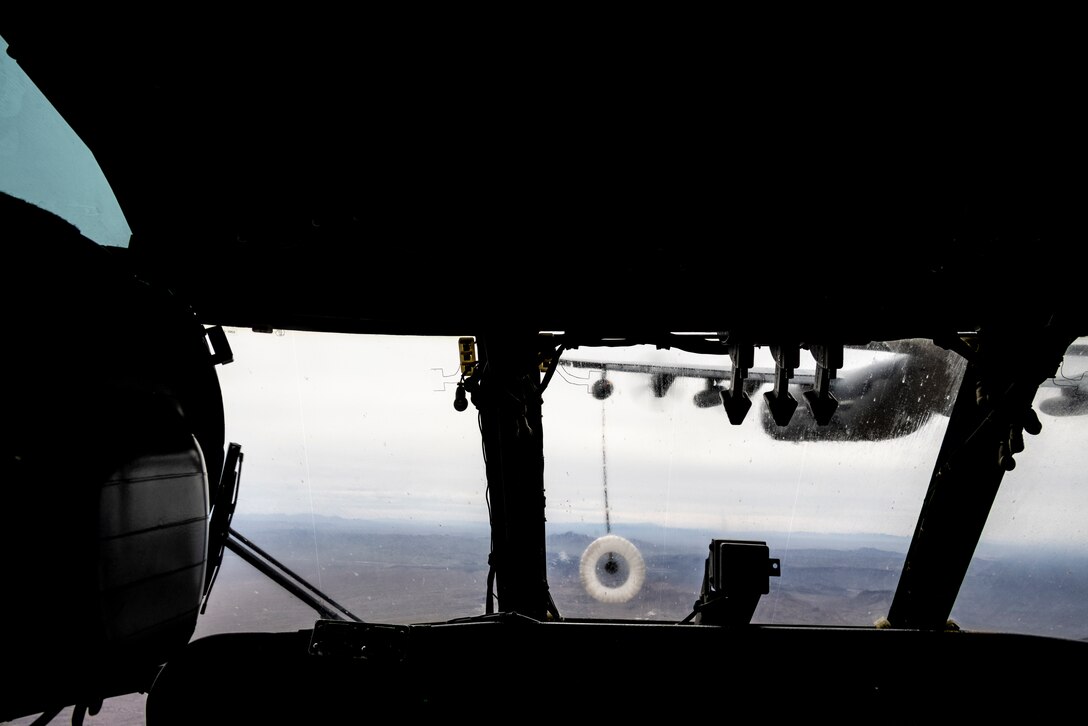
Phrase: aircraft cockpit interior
(407,373)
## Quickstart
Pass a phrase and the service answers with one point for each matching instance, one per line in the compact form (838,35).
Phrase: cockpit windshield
(363,477)
(239,420)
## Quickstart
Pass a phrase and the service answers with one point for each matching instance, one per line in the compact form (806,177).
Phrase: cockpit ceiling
(399,180)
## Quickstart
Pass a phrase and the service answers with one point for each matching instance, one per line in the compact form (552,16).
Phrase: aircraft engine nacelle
(888,398)
(1070,401)
(660,383)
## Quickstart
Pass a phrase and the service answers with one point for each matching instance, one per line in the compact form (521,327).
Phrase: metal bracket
(780,402)
(736,400)
(820,401)
(221,352)
(737,573)
(380,643)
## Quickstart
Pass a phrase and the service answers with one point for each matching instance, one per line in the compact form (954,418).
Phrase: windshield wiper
(298,586)
(222,536)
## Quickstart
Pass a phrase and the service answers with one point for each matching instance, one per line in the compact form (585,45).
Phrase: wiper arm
(298,586)
(221,536)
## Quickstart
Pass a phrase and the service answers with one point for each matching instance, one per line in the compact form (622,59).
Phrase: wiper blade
(298,586)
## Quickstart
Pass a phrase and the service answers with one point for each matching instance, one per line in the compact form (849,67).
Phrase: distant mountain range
(651,535)
(406,572)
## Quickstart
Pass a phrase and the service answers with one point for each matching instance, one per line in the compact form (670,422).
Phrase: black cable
(489,602)
(489,593)
(604,476)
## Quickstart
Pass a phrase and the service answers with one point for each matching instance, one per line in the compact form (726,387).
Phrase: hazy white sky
(364,427)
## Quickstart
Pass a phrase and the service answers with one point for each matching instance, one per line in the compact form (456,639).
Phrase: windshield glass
(362,477)
(669,475)
(358,475)
(1030,573)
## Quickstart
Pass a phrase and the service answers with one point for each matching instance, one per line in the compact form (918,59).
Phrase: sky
(364,427)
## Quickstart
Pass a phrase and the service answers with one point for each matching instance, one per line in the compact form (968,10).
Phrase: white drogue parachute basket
(612,569)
